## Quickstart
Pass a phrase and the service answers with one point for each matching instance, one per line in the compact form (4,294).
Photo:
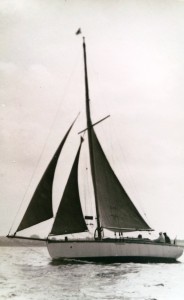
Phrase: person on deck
(167,239)
(160,239)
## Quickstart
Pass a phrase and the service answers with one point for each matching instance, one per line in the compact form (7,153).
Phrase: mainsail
(40,207)
(116,210)
(69,217)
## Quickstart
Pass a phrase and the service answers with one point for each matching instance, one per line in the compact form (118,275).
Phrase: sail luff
(40,206)
(90,141)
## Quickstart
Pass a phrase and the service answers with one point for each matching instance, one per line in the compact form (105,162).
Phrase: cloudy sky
(136,74)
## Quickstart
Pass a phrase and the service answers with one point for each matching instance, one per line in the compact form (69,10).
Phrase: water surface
(28,273)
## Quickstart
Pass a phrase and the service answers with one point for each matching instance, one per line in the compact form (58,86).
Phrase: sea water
(28,273)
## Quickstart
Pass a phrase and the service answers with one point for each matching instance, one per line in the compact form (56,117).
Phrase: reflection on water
(28,273)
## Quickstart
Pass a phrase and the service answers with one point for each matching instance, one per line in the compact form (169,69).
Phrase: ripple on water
(28,273)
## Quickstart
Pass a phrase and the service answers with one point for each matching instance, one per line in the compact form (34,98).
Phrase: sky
(136,73)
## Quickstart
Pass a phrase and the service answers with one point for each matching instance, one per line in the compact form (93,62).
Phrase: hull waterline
(113,251)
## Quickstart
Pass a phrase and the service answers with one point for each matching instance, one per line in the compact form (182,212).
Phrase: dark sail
(69,217)
(117,212)
(40,207)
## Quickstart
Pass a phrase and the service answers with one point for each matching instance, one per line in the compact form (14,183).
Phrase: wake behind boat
(114,210)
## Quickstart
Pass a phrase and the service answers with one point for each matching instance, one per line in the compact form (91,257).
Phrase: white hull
(113,250)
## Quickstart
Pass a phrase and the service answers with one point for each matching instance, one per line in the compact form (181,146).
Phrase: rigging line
(87,203)
(133,186)
(86,190)
(47,138)
(100,95)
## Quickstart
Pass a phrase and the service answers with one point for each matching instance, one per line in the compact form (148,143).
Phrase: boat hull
(114,251)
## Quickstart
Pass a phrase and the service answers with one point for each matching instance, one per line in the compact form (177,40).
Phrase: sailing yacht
(115,210)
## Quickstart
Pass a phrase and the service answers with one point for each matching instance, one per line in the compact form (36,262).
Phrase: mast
(89,126)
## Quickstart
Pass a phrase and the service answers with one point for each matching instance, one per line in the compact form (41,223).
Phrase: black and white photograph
(91,149)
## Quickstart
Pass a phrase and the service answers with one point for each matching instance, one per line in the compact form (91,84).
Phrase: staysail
(40,207)
(116,210)
(69,217)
